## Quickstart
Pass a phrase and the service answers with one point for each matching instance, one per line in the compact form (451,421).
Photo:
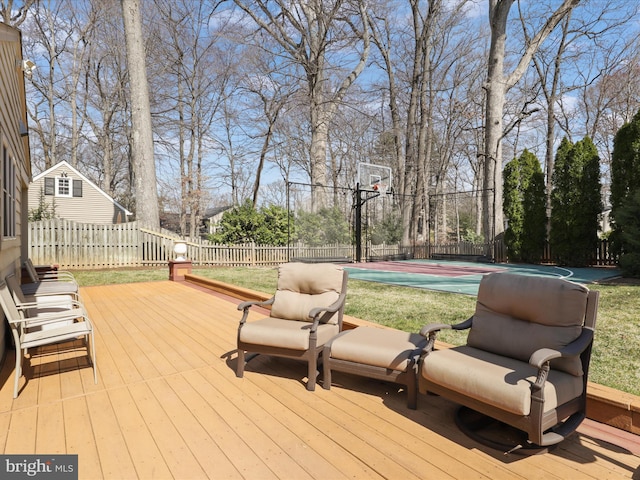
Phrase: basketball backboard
(374,178)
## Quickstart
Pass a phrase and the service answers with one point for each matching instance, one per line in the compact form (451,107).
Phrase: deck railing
(87,246)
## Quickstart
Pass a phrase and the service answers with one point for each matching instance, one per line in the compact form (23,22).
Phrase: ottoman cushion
(378,347)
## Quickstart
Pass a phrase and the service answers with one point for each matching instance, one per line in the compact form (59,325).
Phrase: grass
(616,353)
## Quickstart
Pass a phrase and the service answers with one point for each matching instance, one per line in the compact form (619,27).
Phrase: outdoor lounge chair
(306,312)
(526,360)
(33,305)
(49,283)
(30,331)
(47,274)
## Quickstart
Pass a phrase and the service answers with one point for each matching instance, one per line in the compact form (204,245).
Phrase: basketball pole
(359,201)
(358,205)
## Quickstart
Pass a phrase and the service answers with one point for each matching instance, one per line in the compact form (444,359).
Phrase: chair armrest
(433,328)
(540,357)
(70,302)
(251,303)
(47,279)
(333,308)
(52,317)
(245,306)
(436,327)
(463,325)
(315,312)
(62,275)
(430,331)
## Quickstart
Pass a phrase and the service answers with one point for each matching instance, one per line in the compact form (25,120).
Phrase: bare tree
(192,66)
(14,13)
(497,84)
(307,31)
(142,154)
(48,33)
(415,76)
(265,89)
(602,25)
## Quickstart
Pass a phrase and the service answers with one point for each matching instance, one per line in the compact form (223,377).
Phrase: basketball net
(380,188)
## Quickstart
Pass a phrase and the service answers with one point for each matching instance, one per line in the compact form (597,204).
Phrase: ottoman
(379,353)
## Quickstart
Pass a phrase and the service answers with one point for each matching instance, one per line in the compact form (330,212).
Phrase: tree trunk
(497,85)
(495,90)
(145,186)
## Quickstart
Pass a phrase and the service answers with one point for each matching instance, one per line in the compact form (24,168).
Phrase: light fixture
(22,128)
(27,66)
(180,249)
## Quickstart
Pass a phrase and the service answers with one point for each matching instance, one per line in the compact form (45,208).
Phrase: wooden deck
(168,405)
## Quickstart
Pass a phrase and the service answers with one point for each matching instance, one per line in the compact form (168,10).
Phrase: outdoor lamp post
(180,265)
(180,249)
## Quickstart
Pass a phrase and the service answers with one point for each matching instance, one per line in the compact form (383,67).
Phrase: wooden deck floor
(168,405)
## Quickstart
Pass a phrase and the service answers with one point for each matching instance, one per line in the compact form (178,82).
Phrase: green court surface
(463,277)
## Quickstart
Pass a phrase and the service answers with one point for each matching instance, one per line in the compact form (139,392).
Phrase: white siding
(93,207)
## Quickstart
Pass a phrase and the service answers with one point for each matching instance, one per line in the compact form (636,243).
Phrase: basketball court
(462,277)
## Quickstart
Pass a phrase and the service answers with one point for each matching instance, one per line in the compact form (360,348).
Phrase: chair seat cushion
(378,347)
(282,333)
(496,380)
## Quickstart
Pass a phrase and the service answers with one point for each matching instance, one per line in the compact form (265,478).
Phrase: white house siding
(94,206)
(15,148)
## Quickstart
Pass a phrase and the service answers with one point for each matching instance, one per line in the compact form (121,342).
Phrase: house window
(8,195)
(63,186)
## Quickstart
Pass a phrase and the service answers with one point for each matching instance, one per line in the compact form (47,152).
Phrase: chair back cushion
(517,315)
(302,287)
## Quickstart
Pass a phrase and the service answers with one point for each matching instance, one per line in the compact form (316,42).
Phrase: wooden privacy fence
(86,246)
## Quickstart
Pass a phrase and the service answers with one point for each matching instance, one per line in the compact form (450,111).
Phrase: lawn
(616,353)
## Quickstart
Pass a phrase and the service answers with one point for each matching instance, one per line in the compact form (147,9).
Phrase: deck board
(168,405)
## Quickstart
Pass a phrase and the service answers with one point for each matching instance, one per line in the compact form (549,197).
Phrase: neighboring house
(209,223)
(15,168)
(212,217)
(74,197)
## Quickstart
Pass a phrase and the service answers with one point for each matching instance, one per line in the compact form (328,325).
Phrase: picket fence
(74,245)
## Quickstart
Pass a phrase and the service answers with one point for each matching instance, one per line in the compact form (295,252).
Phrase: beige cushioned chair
(306,312)
(526,359)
